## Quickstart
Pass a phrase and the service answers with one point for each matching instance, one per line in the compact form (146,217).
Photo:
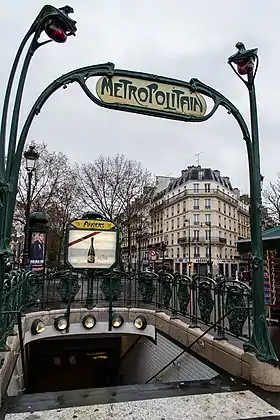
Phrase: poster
(92,249)
(37,251)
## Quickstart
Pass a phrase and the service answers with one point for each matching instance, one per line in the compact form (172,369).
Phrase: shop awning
(270,237)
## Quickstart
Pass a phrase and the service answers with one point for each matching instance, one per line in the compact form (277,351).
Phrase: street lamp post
(31,158)
(246,62)
(57,25)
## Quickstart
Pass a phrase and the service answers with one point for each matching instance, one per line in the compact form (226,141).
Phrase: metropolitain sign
(151,95)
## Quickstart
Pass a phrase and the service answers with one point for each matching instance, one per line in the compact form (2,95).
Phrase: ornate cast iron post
(31,157)
(57,24)
(246,62)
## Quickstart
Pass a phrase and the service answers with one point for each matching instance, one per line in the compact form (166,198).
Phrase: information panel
(92,248)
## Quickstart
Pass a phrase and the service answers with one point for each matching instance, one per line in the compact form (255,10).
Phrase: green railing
(200,301)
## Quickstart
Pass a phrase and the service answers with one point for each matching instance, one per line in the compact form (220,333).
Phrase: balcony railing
(190,193)
(202,240)
(198,300)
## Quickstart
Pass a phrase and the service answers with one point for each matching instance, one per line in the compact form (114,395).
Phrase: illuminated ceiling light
(89,322)
(60,323)
(37,327)
(140,322)
(117,320)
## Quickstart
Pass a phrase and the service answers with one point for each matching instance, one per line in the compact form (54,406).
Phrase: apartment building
(200,217)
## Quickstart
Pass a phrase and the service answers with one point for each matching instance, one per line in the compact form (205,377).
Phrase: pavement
(220,398)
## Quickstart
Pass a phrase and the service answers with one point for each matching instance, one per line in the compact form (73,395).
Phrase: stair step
(82,397)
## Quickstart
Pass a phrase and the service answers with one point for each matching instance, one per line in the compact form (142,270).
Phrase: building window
(196,252)
(167,226)
(172,239)
(229,210)
(200,175)
(178,222)
(178,236)
(207,203)
(225,208)
(225,223)
(207,252)
(196,188)
(178,208)
(207,235)
(178,252)
(207,187)
(219,205)
(172,211)
(220,221)
(196,203)
(196,219)
(184,206)
(196,235)
(229,224)
(207,218)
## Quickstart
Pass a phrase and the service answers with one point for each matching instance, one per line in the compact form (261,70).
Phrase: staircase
(217,398)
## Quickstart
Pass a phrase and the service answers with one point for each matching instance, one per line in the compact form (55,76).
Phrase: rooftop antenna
(197,155)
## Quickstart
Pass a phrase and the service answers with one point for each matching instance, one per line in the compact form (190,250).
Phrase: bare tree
(120,189)
(272,201)
(54,191)
(110,185)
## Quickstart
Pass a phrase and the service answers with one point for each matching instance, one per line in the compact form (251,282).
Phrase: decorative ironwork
(184,294)
(206,302)
(237,317)
(166,281)
(146,286)
(67,280)
(116,284)
(201,300)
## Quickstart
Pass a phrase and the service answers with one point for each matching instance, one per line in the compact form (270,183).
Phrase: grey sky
(179,39)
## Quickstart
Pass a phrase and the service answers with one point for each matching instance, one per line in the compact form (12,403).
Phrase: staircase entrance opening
(72,363)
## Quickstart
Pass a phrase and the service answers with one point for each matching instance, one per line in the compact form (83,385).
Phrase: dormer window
(200,175)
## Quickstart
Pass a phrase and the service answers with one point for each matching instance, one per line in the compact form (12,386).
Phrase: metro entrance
(72,363)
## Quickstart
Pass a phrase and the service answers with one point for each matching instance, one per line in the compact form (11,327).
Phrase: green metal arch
(82,75)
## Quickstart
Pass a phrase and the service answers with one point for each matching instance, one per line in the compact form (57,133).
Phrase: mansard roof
(197,173)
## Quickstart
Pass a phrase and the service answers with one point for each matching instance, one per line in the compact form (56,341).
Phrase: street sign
(93,224)
(149,94)
(92,244)
(153,255)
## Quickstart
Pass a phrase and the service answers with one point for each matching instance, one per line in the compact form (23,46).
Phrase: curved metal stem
(7,100)
(16,111)
(260,343)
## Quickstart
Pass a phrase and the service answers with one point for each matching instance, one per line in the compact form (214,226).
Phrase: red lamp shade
(245,67)
(55,32)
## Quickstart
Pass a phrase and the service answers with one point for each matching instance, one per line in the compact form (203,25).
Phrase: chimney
(237,193)
(216,172)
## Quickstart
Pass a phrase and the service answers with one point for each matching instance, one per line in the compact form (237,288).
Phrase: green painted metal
(260,343)
(9,174)
(67,289)
(21,290)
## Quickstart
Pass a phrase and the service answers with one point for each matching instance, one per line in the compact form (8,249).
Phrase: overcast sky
(179,39)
